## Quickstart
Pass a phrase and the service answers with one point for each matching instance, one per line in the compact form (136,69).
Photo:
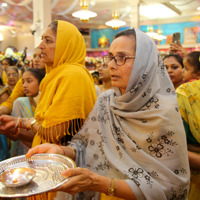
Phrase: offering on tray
(17,177)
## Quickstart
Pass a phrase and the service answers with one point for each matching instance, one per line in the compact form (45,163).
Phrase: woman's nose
(41,46)
(112,65)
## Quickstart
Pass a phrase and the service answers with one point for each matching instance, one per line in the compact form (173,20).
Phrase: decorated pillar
(41,18)
(135,14)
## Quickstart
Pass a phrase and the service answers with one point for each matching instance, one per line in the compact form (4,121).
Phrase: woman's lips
(114,77)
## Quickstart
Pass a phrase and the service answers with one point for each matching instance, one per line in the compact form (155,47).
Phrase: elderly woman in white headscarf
(133,145)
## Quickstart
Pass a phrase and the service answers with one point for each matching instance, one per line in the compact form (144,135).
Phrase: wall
(168,29)
(19,42)
(99,33)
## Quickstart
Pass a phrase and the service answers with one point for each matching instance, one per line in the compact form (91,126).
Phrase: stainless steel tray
(48,176)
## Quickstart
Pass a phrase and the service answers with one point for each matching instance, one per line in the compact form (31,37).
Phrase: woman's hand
(177,49)
(81,179)
(45,148)
(7,123)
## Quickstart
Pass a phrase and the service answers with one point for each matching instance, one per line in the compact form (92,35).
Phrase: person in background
(6,107)
(105,77)
(191,70)
(6,62)
(67,93)
(13,76)
(132,145)
(174,65)
(188,96)
(25,107)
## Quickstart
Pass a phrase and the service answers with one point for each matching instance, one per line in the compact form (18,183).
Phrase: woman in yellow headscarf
(67,91)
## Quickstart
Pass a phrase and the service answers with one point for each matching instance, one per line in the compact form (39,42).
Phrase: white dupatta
(138,136)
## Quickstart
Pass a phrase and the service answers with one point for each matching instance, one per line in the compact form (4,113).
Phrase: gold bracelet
(74,152)
(111,189)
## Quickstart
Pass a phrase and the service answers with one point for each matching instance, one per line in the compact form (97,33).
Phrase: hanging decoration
(84,14)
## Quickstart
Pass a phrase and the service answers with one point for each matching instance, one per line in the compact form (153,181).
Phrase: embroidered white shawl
(138,136)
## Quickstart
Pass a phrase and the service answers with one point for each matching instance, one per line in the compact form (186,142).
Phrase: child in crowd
(188,96)
(191,70)
(25,107)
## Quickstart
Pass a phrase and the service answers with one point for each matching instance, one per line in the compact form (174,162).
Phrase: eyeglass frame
(125,57)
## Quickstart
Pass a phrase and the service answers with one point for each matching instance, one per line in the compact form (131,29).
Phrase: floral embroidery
(156,150)
(181,171)
(153,102)
(168,90)
(102,166)
(92,142)
(153,174)
(144,76)
(95,156)
(160,148)
(136,172)
(182,194)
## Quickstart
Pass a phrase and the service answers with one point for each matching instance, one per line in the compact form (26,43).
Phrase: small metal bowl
(17,177)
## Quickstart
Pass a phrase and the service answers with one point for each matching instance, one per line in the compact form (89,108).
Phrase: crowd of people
(140,139)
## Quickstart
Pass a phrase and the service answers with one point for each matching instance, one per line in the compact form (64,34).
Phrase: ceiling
(21,17)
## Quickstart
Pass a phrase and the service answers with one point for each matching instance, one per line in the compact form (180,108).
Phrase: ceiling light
(155,34)
(4,27)
(156,11)
(84,14)
(4,4)
(198,8)
(115,23)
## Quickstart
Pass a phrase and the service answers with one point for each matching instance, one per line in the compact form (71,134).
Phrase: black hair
(54,26)
(1,82)
(178,58)
(37,73)
(9,60)
(13,68)
(127,32)
(193,59)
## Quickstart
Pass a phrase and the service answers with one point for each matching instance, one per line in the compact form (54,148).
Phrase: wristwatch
(32,123)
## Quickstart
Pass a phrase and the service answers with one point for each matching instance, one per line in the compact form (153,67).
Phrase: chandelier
(115,23)
(84,14)
(155,35)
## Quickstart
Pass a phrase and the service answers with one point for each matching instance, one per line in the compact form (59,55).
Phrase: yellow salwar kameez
(67,91)
(188,96)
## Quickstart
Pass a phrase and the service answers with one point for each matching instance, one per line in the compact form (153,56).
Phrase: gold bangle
(74,152)
(111,189)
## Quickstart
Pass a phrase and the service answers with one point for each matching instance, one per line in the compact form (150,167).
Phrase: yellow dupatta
(189,104)
(67,91)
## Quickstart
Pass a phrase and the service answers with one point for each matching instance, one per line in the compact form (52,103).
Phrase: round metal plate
(48,176)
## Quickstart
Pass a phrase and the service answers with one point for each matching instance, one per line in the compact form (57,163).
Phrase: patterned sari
(188,96)
(21,108)
(138,136)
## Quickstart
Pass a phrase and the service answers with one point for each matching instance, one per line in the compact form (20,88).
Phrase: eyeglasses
(119,60)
